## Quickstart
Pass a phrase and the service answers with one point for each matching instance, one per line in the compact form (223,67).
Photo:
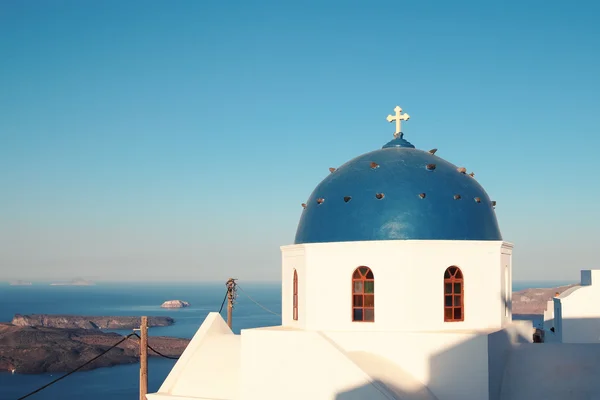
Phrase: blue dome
(397,193)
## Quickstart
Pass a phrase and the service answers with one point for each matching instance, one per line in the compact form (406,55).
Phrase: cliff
(41,349)
(85,322)
(534,301)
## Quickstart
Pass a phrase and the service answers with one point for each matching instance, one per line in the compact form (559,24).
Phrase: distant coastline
(74,282)
(74,335)
(86,322)
(20,283)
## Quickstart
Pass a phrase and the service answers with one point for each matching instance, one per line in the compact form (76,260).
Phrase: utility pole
(144,358)
(231,295)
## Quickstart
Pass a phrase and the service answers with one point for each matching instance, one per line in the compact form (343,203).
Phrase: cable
(162,355)
(124,339)
(78,368)
(177,358)
(156,351)
(257,303)
(223,303)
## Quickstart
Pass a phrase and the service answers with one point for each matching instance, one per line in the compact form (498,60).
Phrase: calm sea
(121,382)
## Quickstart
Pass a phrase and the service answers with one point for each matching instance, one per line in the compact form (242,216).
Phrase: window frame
(453,278)
(295,296)
(361,295)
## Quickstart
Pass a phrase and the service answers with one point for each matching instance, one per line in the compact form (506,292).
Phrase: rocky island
(175,304)
(33,350)
(86,322)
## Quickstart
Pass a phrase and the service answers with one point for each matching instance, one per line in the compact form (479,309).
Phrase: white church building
(572,316)
(398,286)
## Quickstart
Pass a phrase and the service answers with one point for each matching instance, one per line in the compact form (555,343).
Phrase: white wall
(453,365)
(286,363)
(557,335)
(209,368)
(298,365)
(552,372)
(409,278)
(506,272)
(500,345)
(549,315)
(577,311)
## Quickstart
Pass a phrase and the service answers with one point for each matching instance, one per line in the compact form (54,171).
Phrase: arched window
(295,310)
(363,295)
(454,295)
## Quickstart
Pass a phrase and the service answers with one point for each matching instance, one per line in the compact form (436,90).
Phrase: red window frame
(363,295)
(454,295)
(295,298)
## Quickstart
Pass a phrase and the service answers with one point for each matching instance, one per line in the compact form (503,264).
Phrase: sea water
(121,382)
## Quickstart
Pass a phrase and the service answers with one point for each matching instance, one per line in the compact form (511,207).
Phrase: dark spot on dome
(432,151)
(477,200)
(430,167)
(462,170)
(320,200)
(303,205)
(332,170)
(493,203)
(379,196)
(347,198)
(457,197)
(374,165)
(472,174)
(422,195)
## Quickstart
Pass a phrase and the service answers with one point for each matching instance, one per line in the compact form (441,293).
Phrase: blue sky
(177,140)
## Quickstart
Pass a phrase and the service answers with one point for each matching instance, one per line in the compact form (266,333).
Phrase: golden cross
(398,118)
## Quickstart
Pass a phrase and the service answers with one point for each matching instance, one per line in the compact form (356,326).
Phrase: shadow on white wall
(518,370)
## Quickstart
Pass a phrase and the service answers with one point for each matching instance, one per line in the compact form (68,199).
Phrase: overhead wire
(257,303)
(136,335)
(156,351)
(161,354)
(223,303)
(78,368)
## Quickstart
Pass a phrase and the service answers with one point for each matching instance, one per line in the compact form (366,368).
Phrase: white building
(398,286)
(573,316)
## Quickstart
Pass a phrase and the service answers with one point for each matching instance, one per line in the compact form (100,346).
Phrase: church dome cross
(398,118)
